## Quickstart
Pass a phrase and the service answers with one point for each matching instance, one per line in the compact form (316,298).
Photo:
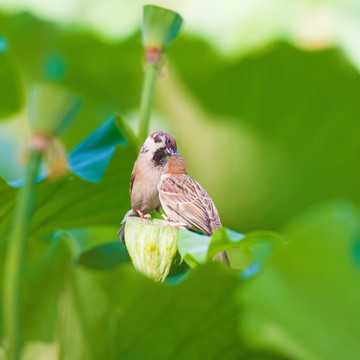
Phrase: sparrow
(145,177)
(186,202)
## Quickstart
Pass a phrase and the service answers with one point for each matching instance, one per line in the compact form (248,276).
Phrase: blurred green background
(263,100)
(268,98)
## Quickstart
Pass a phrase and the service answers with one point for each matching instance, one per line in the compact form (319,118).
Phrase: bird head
(158,145)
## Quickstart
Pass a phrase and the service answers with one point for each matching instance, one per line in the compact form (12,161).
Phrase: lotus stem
(147,99)
(13,269)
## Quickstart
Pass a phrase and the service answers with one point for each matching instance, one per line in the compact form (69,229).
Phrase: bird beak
(171,151)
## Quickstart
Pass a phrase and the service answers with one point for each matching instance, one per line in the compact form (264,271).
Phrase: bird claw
(178,225)
(144,216)
(166,218)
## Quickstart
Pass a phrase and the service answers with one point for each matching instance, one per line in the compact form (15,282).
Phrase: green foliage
(45,270)
(134,326)
(293,123)
(55,57)
(73,203)
(199,249)
(272,133)
(51,109)
(11,97)
(95,247)
(305,302)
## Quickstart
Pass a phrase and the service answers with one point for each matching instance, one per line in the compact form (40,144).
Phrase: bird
(186,202)
(145,177)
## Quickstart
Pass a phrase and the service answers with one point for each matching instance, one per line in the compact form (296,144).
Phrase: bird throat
(159,157)
(176,165)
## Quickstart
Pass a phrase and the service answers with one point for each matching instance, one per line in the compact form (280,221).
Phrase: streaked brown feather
(191,202)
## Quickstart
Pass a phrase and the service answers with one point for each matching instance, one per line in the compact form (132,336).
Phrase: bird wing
(191,202)
(136,170)
(132,180)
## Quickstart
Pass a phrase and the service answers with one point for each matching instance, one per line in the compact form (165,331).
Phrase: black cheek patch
(159,156)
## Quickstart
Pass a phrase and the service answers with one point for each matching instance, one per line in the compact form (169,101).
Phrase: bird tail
(222,257)
(121,233)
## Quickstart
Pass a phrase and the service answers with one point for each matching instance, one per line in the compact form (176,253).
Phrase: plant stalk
(147,99)
(14,260)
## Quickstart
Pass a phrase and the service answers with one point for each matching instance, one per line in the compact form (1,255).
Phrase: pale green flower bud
(159,29)
(152,246)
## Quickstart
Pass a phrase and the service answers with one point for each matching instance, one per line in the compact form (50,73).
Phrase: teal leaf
(197,248)
(20,182)
(178,269)
(72,202)
(90,158)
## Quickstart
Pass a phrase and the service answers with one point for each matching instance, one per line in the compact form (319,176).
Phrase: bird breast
(144,194)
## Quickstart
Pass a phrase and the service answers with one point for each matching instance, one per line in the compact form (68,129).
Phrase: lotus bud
(152,246)
(52,109)
(159,29)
